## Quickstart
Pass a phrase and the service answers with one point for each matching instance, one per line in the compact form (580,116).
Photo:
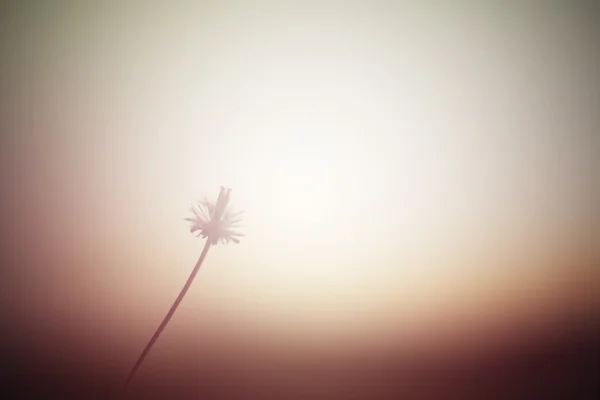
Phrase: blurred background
(420,186)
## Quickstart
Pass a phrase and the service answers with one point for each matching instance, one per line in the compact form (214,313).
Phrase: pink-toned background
(420,186)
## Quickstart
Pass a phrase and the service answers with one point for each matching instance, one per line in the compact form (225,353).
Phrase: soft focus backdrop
(419,183)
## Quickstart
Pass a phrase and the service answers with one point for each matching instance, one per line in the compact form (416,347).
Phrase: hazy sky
(397,166)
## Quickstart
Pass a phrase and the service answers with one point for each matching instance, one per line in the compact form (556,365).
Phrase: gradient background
(420,187)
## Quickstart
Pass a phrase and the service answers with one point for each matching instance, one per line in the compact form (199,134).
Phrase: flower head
(216,221)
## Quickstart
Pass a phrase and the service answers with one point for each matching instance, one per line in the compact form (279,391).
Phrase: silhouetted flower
(216,221)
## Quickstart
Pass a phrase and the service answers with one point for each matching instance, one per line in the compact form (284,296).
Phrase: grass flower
(215,229)
(214,222)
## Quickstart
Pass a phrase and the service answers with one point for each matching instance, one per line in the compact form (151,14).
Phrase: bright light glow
(389,164)
(362,169)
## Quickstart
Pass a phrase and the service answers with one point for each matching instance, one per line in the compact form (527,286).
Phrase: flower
(216,221)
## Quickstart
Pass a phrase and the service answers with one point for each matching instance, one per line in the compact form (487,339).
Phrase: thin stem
(170,313)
